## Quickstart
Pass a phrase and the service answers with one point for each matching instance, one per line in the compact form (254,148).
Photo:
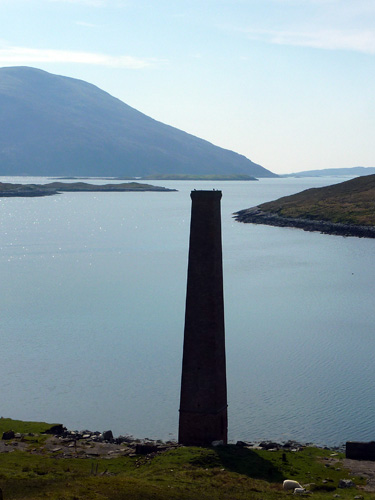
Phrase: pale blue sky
(288,83)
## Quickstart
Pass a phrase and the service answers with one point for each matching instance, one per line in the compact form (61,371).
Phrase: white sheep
(299,491)
(289,484)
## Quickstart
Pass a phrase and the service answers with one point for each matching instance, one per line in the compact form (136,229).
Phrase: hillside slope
(347,208)
(53,125)
(328,172)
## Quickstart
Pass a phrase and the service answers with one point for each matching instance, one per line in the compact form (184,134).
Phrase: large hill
(347,208)
(53,125)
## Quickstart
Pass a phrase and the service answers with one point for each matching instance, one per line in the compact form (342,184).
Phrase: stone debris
(346,483)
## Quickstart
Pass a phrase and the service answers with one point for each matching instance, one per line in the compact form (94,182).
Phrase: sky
(290,84)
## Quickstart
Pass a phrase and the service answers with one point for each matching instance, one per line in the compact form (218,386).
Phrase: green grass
(7,424)
(222,473)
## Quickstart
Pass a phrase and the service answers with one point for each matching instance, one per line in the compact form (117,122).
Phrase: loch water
(92,304)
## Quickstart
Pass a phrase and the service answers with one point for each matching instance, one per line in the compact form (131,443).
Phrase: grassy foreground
(226,472)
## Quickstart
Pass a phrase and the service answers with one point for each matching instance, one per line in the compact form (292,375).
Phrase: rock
(346,483)
(124,439)
(217,443)
(8,435)
(56,430)
(269,445)
(108,436)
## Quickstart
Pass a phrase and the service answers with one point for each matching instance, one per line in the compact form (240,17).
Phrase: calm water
(92,307)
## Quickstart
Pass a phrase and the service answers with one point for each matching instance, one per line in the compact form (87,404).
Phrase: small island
(31,190)
(345,209)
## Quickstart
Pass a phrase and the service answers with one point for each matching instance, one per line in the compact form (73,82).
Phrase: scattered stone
(346,483)
(217,443)
(269,445)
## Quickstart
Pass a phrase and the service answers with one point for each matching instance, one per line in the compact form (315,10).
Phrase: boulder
(8,435)
(56,430)
(107,436)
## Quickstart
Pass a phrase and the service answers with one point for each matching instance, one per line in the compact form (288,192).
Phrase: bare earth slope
(346,209)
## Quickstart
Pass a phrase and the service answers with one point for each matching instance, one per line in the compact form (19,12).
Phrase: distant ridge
(57,126)
(351,171)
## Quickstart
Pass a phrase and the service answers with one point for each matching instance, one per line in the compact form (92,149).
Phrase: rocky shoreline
(255,215)
(88,444)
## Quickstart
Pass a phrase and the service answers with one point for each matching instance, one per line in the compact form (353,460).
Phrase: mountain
(53,125)
(351,171)
(347,208)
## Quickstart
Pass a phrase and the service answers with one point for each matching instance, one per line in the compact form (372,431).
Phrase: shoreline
(255,215)
(67,436)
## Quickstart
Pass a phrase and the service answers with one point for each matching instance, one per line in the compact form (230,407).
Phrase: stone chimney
(203,403)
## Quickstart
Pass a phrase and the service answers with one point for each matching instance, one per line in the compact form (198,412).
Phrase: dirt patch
(362,468)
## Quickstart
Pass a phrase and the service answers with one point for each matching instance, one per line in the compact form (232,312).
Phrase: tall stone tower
(203,403)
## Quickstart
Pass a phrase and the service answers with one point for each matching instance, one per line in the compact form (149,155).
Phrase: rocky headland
(345,209)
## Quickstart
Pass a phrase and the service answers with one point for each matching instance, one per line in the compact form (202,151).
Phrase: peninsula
(24,190)
(346,209)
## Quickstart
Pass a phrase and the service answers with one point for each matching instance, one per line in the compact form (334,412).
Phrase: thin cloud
(23,55)
(355,40)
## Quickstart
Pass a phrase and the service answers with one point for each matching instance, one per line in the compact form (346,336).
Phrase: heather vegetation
(349,202)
